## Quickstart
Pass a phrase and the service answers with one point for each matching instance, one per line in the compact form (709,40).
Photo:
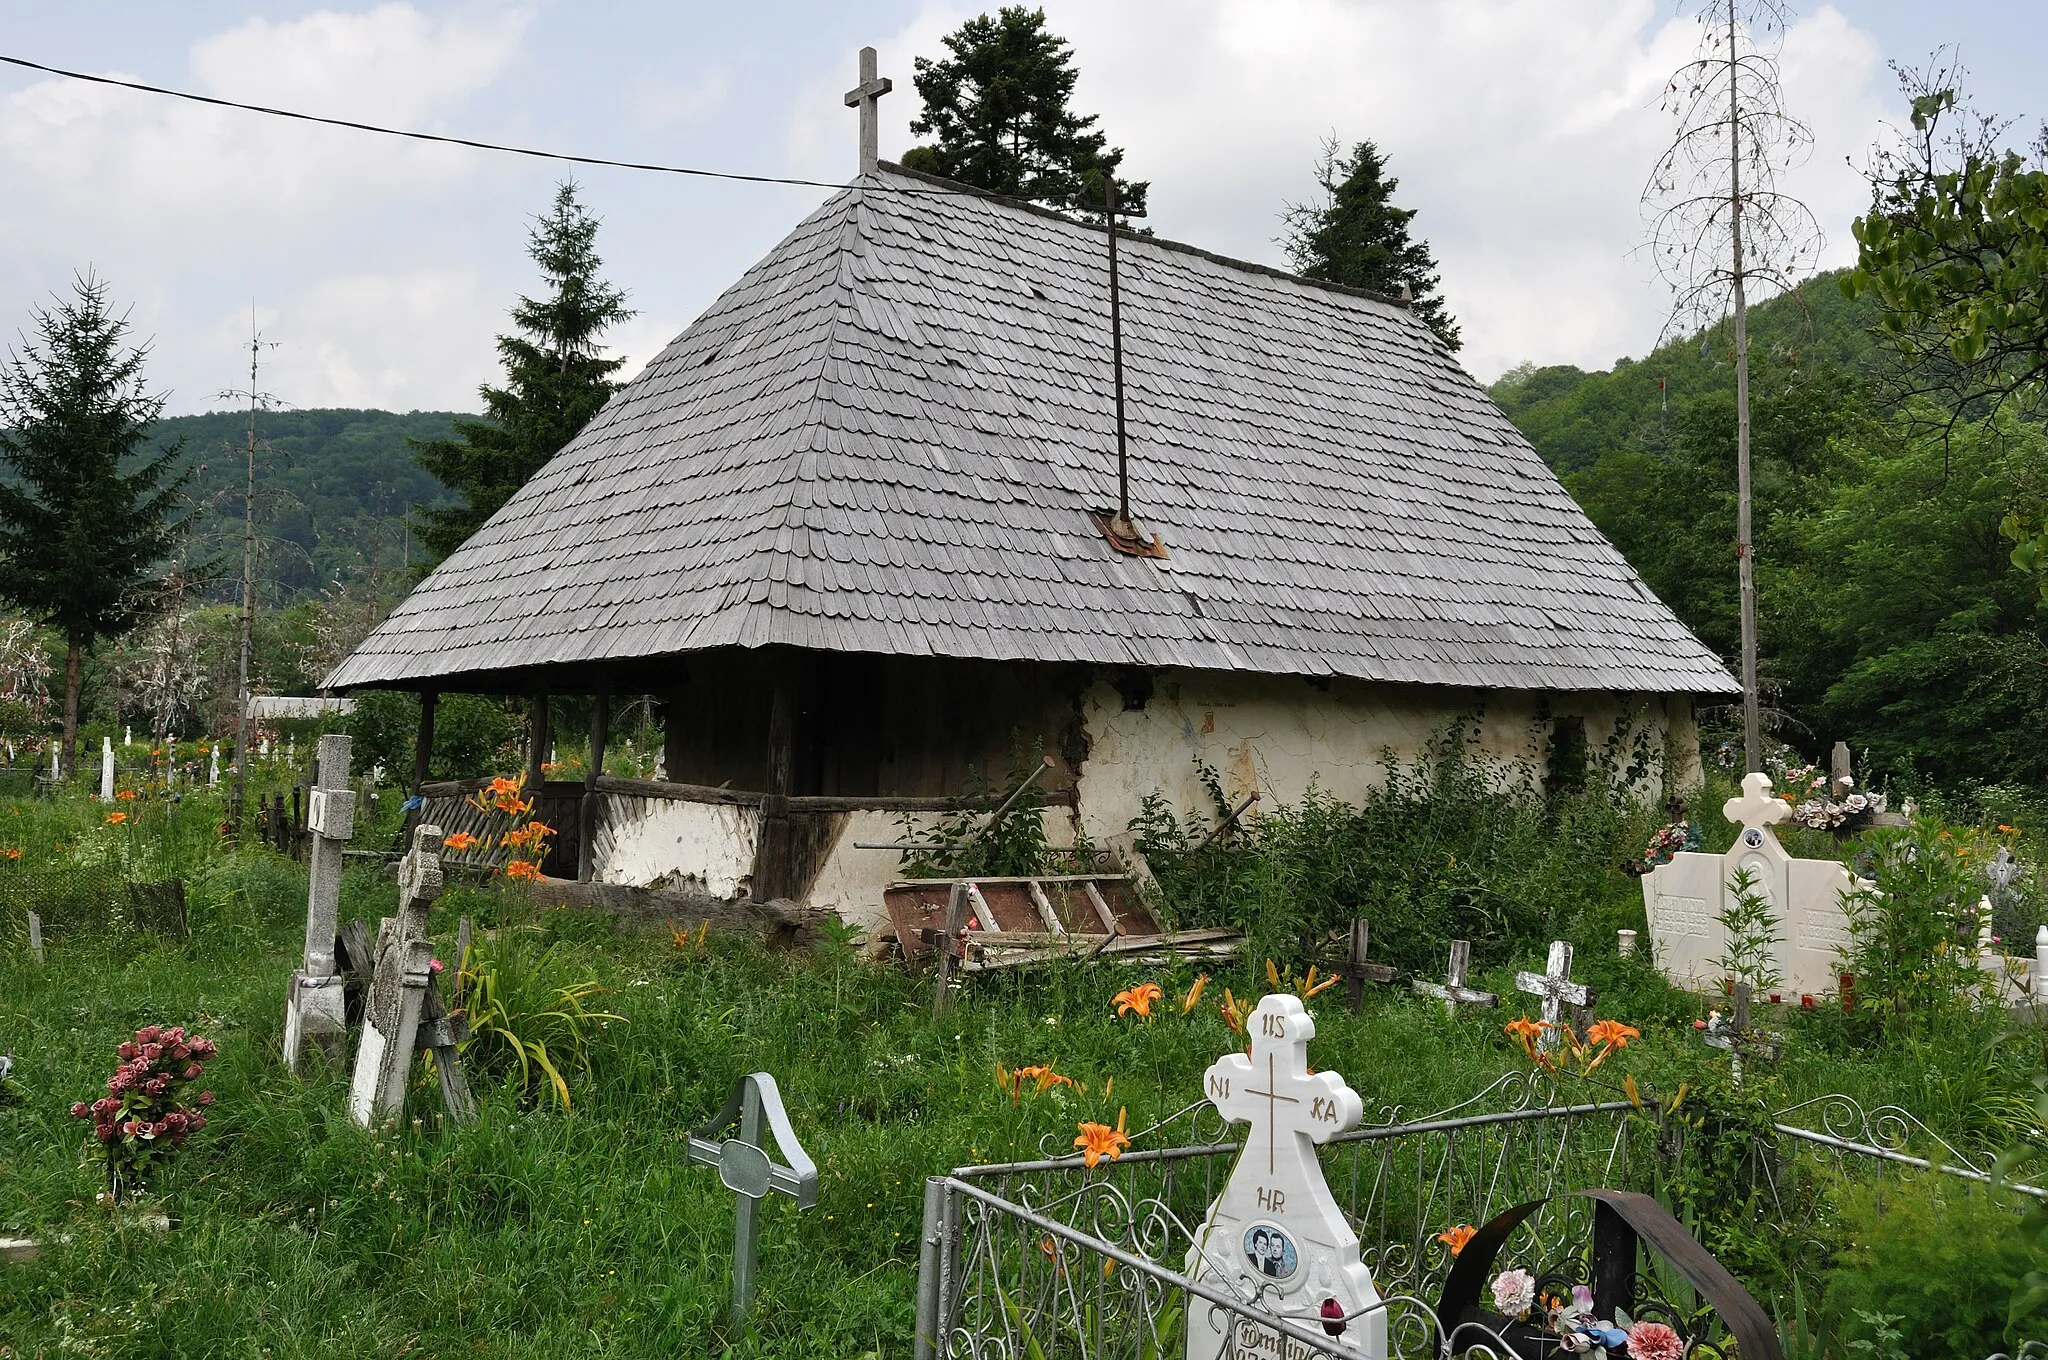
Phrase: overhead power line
(448,141)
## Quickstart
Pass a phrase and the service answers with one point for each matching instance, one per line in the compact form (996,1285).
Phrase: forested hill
(332,490)
(1889,612)
(1573,417)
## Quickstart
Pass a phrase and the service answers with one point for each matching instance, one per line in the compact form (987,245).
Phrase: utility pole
(1745,546)
(248,584)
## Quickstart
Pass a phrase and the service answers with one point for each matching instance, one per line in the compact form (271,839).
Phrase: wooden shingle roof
(886,437)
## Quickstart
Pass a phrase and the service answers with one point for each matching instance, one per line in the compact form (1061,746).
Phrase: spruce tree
(88,517)
(556,379)
(1359,238)
(998,108)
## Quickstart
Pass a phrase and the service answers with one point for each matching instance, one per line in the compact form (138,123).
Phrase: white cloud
(193,211)
(1521,131)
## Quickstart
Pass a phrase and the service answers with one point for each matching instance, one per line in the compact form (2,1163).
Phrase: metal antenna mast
(248,581)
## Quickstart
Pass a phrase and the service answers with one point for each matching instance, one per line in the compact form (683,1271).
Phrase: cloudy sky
(381,270)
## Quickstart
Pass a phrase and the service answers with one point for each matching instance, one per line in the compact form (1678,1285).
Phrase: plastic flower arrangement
(144,1116)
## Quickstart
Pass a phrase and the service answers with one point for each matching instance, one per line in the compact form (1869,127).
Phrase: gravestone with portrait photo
(1275,1237)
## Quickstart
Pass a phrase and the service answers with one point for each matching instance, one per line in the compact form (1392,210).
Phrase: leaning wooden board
(1016,921)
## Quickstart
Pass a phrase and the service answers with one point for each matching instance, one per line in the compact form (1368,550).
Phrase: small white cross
(1757,806)
(863,96)
(1273,1087)
(1554,984)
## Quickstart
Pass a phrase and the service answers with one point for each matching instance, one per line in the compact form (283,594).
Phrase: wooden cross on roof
(1453,990)
(863,97)
(1555,986)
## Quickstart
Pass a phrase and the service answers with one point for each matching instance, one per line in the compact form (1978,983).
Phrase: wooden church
(857,525)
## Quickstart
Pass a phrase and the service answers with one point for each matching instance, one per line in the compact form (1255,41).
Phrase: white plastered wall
(1282,736)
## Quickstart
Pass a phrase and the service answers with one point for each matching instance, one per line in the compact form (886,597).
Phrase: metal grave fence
(1048,1260)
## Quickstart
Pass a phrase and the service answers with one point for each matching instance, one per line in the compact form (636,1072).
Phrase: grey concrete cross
(313,1005)
(1555,986)
(863,97)
(1453,990)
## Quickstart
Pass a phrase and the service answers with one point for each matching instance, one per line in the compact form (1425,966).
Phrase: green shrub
(1941,1254)
(473,734)
(1914,932)
(1455,845)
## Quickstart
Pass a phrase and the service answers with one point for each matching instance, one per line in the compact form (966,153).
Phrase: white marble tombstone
(1275,1236)
(1685,899)
(106,769)
(398,989)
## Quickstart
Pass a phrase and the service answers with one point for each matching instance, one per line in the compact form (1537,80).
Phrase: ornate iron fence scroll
(1048,1259)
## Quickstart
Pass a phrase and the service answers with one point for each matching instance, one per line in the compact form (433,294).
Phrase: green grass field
(543,1233)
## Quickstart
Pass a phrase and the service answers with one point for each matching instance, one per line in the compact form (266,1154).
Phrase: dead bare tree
(1722,231)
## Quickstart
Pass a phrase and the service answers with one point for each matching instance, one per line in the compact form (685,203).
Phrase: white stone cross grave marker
(863,97)
(1555,986)
(1275,1236)
(1453,989)
(106,769)
(313,1006)
(398,988)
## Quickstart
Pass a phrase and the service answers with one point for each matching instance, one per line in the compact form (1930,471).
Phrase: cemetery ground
(544,1231)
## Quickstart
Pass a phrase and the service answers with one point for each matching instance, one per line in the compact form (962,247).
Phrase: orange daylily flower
(1309,986)
(1042,1077)
(125,795)
(685,939)
(1139,999)
(1612,1032)
(1194,996)
(1234,1011)
(13,853)
(116,818)
(525,869)
(1527,1031)
(1457,1237)
(459,841)
(1097,1141)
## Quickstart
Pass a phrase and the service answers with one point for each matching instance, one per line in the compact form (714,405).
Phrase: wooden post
(949,949)
(771,877)
(586,831)
(35,937)
(1359,969)
(423,747)
(537,742)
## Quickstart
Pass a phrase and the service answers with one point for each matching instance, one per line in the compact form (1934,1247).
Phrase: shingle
(885,435)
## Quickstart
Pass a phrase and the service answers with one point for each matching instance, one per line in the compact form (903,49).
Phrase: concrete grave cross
(1555,986)
(1757,809)
(398,988)
(313,1007)
(1275,1236)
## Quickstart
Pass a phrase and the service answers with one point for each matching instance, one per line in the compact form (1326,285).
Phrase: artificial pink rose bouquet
(145,1114)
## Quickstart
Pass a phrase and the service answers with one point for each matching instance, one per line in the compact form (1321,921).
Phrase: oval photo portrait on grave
(1270,1251)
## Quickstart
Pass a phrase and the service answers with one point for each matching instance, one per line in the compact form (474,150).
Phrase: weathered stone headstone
(398,987)
(35,937)
(313,1007)
(746,1169)
(1556,988)
(1275,1236)
(1686,898)
(1452,991)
